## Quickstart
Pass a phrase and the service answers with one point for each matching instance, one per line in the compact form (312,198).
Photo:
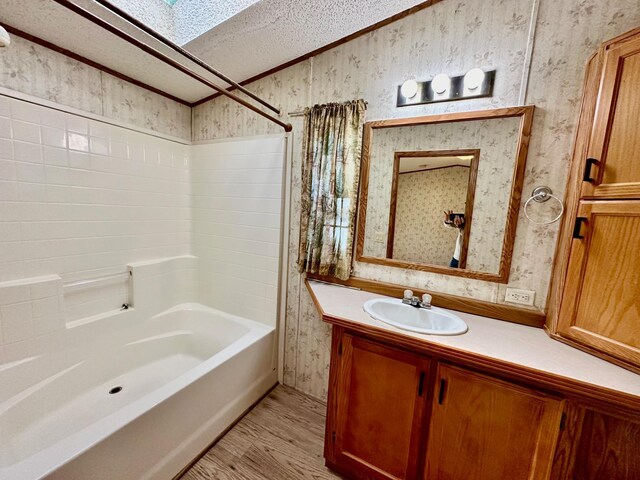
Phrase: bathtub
(127,397)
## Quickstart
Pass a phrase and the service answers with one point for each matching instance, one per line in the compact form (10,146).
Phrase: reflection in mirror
(442,193)
(431,205)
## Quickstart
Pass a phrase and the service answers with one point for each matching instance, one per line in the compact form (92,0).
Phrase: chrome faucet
(411,299)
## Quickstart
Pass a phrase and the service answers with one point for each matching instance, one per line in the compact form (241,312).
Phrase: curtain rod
(134,21)
(300,113)
(168,60)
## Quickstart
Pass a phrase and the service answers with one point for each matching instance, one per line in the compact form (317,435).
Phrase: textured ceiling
(241,38)
(272,32)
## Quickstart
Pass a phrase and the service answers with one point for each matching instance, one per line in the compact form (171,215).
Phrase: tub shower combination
(136,393)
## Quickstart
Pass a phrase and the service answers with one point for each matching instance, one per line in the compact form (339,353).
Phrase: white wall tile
(7,170)
(27,152)
(25,111)
(26,131)
(5,127)
(17,322)
(5,107)
(236,188)
(10,294)
(53,137)
(81,210)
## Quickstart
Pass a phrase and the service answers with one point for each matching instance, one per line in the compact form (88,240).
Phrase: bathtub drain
(115,390)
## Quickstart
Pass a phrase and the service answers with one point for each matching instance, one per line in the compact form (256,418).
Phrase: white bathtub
(186,375)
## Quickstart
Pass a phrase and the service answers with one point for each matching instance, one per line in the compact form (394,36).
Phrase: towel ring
(541,195)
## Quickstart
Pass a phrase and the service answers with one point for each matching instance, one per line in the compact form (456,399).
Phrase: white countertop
(510,342)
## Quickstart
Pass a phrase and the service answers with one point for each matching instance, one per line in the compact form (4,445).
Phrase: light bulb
(440,83)
(474,78)
(409,89)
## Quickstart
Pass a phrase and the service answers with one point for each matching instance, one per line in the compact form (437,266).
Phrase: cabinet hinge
(333,436)
(563,421)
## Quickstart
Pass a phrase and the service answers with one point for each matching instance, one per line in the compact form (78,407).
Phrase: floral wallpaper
(30,68)
(497,140)
(420,234)
(452,36)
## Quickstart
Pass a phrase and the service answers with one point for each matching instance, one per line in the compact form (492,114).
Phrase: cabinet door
(380,408)
(613,167)
(601,302)
(598,445)
(487,429)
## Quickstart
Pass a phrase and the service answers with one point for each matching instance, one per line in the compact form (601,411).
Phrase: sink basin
(434,321)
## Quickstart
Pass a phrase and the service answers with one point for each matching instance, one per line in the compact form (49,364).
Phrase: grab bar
(80,284)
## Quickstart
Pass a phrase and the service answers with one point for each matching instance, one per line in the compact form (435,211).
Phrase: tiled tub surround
(237,220)
(81,198)
(30,309)
(169,355)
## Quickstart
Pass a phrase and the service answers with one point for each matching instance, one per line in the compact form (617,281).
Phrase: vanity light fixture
(409,89)
(475,83)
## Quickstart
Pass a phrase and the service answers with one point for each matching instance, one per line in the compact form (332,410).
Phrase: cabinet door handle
(421,384)
(443,385)
(587,170)
(577,227)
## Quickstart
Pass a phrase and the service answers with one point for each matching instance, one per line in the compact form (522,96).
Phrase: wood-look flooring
(281,438)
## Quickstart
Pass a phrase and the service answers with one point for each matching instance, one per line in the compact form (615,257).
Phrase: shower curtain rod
(134,21)
(168,60)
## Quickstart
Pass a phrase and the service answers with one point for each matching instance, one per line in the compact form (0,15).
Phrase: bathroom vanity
(441,194)
(500,401)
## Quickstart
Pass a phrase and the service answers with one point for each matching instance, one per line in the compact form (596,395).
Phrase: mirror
(437,187)
(442,193)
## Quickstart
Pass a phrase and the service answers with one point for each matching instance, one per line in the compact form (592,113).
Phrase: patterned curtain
(330,175)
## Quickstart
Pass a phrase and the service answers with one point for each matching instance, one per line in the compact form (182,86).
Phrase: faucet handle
(408,294)
(426,299)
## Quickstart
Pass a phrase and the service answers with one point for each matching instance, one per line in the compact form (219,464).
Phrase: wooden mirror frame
(525,113)
(471,191)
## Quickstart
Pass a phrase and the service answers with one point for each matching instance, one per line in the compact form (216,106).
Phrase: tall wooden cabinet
(612,168)
(598,262)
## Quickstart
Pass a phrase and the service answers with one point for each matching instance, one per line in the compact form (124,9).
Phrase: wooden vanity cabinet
(378,410)
(598,444)
(406,412)
(390,418)
(482,428)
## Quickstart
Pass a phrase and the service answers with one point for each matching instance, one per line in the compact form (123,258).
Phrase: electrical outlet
(523,297)
(381,237)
